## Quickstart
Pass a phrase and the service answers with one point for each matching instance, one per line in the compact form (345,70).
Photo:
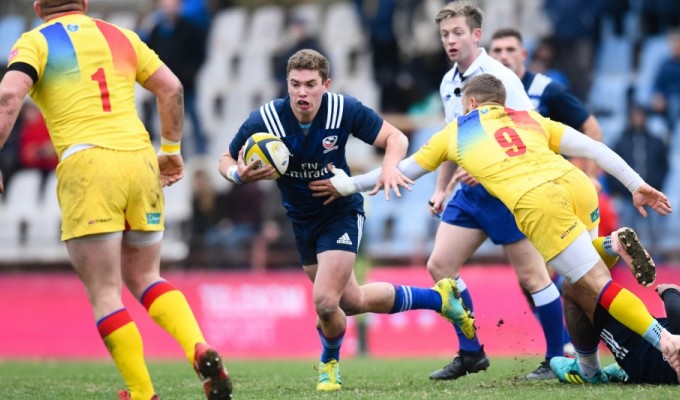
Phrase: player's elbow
(397,141)
(10,99)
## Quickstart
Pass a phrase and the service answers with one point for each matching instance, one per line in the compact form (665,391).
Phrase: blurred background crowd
(621,57)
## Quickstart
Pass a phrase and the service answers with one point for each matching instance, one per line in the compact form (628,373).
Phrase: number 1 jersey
(84,71)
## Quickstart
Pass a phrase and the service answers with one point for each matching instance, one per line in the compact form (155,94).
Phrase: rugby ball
(268,149)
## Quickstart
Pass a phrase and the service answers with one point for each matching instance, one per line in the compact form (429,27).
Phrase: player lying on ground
(637,360)
(514,154)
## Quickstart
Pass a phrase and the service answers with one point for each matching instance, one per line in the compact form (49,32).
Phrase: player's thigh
(453,245)
(92,192)
(334,273)
(145,206)
(529,265)
(580,261)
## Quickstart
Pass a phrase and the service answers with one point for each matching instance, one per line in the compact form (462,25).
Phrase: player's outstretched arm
(395,144)
(650,197)
(576,145)
(343,185)
(670,293)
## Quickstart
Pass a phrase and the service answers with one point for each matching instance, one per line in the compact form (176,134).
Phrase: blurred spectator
(197,12)
(648,155)
(615,10)
(666,99)
(299,37)
(658,16)
(543,61)
(35,147)
(377,17)
(181,45)
(575,33)
(225,227)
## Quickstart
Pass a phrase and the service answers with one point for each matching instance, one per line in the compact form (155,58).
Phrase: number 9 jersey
(84,71)
(502,148)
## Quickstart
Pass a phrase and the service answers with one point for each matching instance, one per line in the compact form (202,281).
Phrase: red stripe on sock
(155,291)
(609,294)
(112,322)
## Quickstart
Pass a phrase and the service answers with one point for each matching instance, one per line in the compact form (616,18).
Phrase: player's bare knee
(440,270)
(325,306)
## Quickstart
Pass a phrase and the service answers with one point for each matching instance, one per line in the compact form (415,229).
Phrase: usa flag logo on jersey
(329,143)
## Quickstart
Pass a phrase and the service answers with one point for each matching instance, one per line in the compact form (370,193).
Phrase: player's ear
(36,9)
(86,4)
(327,84)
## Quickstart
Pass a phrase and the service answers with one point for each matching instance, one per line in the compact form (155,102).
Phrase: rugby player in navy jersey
(637,360)
(315,125)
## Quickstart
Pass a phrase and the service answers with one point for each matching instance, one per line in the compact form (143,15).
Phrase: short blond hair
(473,14)
(485,88)
(311,60)
(49,7)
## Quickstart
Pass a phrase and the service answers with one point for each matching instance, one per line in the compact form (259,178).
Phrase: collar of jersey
(477,64)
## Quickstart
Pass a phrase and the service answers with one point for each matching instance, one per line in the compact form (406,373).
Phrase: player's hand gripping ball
(268,149)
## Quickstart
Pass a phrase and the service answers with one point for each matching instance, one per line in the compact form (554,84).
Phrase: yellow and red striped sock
(169,308)
(629,310)
(122,338)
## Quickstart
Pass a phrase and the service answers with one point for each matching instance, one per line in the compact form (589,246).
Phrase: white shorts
(576,259)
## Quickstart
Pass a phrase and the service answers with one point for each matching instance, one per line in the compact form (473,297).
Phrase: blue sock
(331,346)
(471,345)
(415,298)
(558,280)
(551,316)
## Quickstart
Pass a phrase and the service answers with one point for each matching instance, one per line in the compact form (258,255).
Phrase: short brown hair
(507,32)
(311,60)
(473,14)
(485,88)
(49,7)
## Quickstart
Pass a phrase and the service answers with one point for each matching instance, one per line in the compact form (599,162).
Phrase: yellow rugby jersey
(509,152)
(86,72)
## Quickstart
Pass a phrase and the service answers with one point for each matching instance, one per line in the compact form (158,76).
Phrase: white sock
(588,363)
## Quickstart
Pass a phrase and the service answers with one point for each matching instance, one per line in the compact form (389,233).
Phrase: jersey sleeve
(28,50)
(553,130)
(365,123)
(435,151)
(148,61)
(251,125)
(564,106)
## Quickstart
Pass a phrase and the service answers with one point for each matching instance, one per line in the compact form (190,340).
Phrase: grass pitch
(363,378)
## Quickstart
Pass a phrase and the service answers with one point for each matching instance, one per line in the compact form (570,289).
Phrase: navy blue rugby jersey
(552,100)
(642,362)
(339,117)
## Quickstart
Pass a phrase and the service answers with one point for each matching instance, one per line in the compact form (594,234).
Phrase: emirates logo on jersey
(329,143)
(13,54)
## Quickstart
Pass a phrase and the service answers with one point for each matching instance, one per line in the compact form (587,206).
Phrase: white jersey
(450,88)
